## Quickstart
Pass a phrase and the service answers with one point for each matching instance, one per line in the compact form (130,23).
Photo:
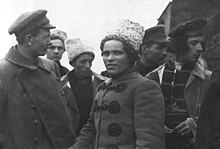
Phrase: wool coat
(128,113)
(33,111)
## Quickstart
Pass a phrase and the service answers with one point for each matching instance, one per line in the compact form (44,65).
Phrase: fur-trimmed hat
(76,47)
(190,28)
(29,21)
(59,33)
(127,30)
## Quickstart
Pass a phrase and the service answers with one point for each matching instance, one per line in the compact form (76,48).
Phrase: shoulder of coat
(158,69)
(100,77)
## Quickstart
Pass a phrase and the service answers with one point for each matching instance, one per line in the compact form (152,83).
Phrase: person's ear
(143,48)
(29,39)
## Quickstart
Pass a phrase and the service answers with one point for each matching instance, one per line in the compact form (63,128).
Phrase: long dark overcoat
(208,131)
(33,112)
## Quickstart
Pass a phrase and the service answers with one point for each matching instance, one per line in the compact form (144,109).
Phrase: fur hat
(29,21)
(190,28)
(129,31)
(59,33)
(76,47)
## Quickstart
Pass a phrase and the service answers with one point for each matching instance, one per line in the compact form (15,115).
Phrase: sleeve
(209,119)
(3,141)
(149,114)
(86,135)
(2,103)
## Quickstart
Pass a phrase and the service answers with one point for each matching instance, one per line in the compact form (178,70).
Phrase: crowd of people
(156,92)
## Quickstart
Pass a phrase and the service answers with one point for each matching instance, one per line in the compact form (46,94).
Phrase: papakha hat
(129,31)
(59,33)
(28,21)
(76,46)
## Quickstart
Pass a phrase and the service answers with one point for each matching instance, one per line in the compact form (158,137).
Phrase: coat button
(36,139)
(33,106)
(62,93)
(114,129)
(36,122)
(114,107)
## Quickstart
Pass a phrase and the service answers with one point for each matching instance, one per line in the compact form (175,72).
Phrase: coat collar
(16,58)
(123,77)
(199,71)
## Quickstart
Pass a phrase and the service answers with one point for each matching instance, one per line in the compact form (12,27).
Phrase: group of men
(43,105)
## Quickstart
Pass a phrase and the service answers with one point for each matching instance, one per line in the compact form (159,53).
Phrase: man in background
(153,50)
(57,48)
(182,81)
(81,82)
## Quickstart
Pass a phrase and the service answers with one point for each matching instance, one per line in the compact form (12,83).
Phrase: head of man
(56,49)
(120,47)
(32,31)
(153,50)
(80,55)
(187,40)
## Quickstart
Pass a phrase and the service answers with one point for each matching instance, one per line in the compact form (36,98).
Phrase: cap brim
(48,26)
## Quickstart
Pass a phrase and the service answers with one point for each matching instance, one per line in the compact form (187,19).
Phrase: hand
(167,130)
(183,129)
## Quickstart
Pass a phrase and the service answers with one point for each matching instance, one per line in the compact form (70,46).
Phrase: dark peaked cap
(156,33)
(190,28)
(29,21)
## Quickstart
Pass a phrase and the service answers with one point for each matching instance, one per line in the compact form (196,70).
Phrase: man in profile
(33,111)
(153,50)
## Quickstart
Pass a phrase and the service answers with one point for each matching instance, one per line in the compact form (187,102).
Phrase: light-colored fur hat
(76,47)
(60,33)
(130,31)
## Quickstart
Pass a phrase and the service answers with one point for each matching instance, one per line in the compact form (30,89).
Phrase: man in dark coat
(33,111)
(208,131)
(81,82)
(57,48)
(153,50)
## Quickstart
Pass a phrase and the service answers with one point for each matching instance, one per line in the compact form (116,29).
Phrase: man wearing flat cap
(32,104)
(182,81)
(153,50)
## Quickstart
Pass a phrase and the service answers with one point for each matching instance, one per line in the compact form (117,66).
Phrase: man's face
(115,59)
(83,64)
(41,42)
(155,54)
(55,51)
(195,45)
